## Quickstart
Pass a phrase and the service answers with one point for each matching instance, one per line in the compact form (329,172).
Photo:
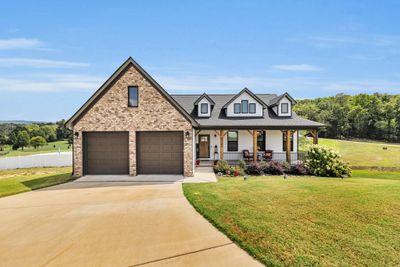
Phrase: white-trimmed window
(233,138)
(252,108)
(284,108)
(236,108)
(245,106)
(204,108)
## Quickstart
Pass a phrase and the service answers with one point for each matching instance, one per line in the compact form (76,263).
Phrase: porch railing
(295,157)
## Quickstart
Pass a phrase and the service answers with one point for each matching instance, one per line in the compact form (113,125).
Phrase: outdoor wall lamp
(76,134)
(187,134)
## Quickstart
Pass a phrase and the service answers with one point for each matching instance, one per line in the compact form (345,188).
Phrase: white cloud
(51,83)
(365,40)
(362,86)
(20,43)
(39,63)
(366,57)
(299,86)
(297,68)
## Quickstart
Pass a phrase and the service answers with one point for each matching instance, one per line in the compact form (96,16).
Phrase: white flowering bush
(322,161)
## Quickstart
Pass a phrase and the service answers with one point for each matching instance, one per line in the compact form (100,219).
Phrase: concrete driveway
(111,224)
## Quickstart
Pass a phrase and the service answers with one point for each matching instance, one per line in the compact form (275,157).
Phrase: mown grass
(23,180)
(61,146)
(365,154)
(307,221)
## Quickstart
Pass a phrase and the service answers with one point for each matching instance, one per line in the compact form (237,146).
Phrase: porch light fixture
(76,134)
(187,134)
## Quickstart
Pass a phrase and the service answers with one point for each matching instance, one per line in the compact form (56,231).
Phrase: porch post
(221,144)
(255,145)
(315,136)
(288,136)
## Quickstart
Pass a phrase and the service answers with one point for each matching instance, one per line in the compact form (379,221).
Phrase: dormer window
(236,108)
(285,108)
(245,106)
(204,108)
(252,108)
(204,105)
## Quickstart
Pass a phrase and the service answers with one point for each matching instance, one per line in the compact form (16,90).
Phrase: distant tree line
(363,116)
(35,134)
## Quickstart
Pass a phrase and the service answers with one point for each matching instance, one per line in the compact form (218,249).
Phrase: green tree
(374,116)
(49,132)
(38,141)
(22,139)
(62,131)
(3,141)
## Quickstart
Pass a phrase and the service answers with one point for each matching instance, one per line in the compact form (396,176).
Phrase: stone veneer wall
(154,113)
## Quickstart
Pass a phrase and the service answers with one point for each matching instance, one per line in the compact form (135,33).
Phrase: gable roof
(245,90)
(219,120)
(275,101)
(204,96)
(93,99)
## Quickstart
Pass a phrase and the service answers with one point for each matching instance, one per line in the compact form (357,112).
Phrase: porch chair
(268,155)
(246,155)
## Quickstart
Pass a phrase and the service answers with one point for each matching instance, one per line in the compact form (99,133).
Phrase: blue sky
(55,54)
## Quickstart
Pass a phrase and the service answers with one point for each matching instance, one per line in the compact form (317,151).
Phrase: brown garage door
(106,153)
(160,152)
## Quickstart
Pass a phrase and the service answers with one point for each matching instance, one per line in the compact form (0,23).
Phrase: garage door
(106,153)
(160,152)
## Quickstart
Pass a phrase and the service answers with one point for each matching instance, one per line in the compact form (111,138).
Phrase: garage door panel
(106,153)
(160,152)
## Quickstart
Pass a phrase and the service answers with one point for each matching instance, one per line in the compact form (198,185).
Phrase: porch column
(315,136)
(221,144)
(288,136)
(255,145)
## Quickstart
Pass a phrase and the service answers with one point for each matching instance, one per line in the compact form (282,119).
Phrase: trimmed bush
(298,169)
(242,164)
(273,167)
(221,166)
(254,168)
(322,161)
(286,167)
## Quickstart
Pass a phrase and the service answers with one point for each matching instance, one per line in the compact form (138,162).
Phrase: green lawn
(304,221)
(22,180)
(50,147)
(366,154)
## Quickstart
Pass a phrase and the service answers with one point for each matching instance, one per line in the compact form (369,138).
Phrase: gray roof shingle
(219,119)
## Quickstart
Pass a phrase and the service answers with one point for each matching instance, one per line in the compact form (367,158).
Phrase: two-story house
(131,125)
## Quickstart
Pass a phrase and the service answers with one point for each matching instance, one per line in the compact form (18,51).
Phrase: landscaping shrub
(286,167)
(259,168)
(323,161)
(221,166)
(242,164)
(274,167)
(254,168)
(298,169)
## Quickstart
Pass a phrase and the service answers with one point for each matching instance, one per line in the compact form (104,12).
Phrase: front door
(204,146)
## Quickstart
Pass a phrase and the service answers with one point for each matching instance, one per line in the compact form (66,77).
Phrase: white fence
(39,160)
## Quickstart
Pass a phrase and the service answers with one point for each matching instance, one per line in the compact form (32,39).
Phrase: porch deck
(233,158)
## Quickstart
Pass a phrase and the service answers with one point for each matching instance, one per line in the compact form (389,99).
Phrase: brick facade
(111,113)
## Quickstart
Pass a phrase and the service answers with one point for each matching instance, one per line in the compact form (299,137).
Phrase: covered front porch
(249,145)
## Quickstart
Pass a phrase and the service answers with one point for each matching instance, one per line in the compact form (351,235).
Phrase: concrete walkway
(111,224)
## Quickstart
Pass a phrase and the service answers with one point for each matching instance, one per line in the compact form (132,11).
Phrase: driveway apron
(111,224)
